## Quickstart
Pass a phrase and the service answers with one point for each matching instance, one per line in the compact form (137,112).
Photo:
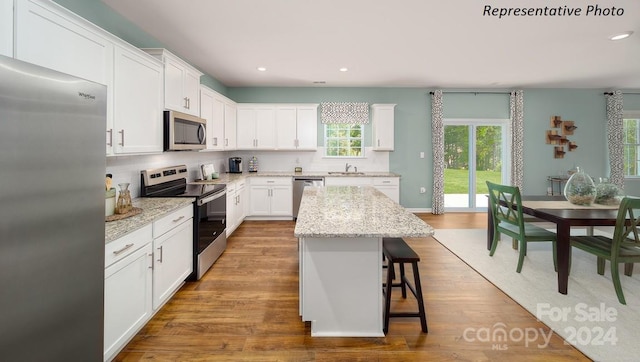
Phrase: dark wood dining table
(565,219)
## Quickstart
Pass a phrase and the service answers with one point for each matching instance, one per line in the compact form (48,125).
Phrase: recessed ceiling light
(262,69)
(344,69)
(621,36)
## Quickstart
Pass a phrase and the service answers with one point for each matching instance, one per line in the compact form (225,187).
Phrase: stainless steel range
(210,211)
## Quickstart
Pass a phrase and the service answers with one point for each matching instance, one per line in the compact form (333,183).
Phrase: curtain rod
(623,93)
(474,93)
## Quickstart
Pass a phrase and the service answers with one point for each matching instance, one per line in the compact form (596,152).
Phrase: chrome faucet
(346,167)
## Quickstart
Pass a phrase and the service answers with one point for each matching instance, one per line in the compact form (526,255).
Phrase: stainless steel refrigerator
(52,169)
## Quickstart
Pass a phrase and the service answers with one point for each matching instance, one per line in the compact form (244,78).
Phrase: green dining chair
(623,248)
(506,209)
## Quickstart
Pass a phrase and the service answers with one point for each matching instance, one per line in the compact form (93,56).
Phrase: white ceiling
(403,43)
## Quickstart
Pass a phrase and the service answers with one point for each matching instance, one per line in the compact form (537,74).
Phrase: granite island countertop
(355,211)
(152,209)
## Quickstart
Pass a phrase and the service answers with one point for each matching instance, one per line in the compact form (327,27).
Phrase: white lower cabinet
(271,196)
(172,261)
(236,205)
(143,269)
(127,289)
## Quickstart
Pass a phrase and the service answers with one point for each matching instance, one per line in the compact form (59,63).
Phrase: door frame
(506,155)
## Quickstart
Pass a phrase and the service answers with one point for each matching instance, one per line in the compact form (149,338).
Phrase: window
(343,140)
(631,144)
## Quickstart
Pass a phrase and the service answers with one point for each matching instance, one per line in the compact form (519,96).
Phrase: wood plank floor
(246,309)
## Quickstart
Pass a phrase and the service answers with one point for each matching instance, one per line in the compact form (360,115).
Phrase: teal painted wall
(413,116)
(103,16)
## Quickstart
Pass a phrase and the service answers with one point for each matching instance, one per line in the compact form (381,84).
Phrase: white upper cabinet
(307,127)
(6,28)
(181,83)
(286,120)
(277,126)
(382,126)
(256,127)
(137,105)
(50,36)
(220,113)
(230,126)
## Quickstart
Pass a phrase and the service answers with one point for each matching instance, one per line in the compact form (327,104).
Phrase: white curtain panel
(615,137)
(437,130)
(345,112)
(516,103)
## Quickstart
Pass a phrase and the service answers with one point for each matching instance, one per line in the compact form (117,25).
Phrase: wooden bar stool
(397,251)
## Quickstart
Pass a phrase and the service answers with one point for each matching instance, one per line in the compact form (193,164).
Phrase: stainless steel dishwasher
(299,183)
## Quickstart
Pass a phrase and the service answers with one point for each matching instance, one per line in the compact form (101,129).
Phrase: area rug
(588,317)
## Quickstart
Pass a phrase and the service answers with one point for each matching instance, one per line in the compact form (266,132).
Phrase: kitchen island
(340,231)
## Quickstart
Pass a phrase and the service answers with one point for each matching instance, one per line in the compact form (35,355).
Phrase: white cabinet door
(241,205)
(230,133)
(173,261)
(256,127)
(137,120)
(383,127)
(181,82)
(231,208)
(389,186)
(307,127)
(282,201)
(127,299)
(286,127)
(265,128)
(174,74)
(6,28)
(260,200)
(212,109)
(191,90)
(50,37)
(246,127)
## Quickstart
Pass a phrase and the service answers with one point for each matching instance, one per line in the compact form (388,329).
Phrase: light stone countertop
(152,209)
(355,211)
(231,177)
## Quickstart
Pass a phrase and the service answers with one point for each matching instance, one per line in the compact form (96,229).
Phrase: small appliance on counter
(253,164)
(235,165)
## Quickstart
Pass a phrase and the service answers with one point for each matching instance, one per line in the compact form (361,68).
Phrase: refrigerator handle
(110,132)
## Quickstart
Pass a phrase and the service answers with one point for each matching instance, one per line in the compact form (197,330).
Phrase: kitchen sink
(345,173)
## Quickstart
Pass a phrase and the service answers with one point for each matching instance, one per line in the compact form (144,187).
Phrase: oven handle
(207,199)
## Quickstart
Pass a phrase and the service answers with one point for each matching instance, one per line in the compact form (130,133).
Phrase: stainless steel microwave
(183,132)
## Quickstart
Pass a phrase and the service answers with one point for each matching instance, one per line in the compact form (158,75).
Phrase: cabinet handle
(151,256)
(238,200)
(226,142)
(386,182)
(378,143)
(178,219)
(186,104)
(160,248)
(121,137)
(117,252)
(215,141)
(110,132)
(296,143)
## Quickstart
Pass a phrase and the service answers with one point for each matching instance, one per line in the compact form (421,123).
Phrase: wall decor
(557,136)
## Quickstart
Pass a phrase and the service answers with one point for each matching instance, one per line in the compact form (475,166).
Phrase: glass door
(475,151)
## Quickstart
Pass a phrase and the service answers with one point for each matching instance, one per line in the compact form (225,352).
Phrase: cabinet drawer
(172,220)
(118,249)
(271,181)
(386,181)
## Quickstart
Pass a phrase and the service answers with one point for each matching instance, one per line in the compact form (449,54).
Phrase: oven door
(211,237)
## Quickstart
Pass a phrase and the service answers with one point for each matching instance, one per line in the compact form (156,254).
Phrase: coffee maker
(235,165)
